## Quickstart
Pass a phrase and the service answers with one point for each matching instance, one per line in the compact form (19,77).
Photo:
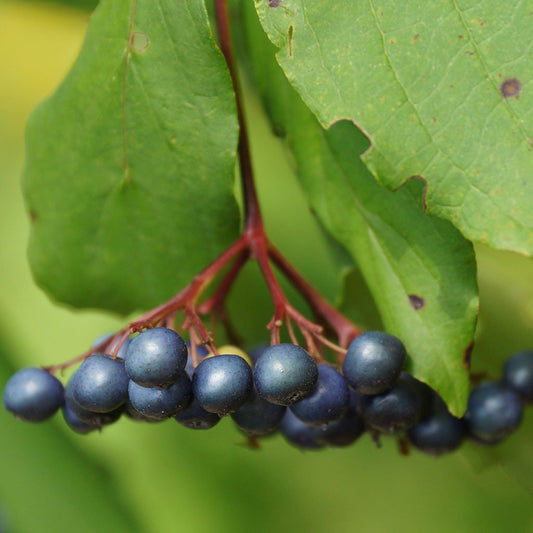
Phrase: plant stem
(253,219)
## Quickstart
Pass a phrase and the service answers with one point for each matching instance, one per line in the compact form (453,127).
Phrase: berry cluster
(156,376)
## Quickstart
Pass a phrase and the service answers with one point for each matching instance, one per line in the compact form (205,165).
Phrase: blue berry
(194,416)
(258,417)
(439,432)
(33,394)
(393,411)
(75,423)
(345,430)
(156,357)
(155,402)
(285,374)
(299,433)
(494,412)
(518,374)
(91,418)
(327,401)
(100,384)
(222,384)
(374,362)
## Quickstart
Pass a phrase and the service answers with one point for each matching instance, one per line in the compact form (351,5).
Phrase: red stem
(345,329)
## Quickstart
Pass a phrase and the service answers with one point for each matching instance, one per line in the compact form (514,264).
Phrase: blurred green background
(162,477)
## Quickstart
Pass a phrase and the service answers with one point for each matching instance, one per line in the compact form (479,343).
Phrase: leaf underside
(130,164)
(444,92)
(419,268)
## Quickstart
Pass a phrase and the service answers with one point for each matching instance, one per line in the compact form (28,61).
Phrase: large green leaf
(419,268)
(442,90)
(130,164)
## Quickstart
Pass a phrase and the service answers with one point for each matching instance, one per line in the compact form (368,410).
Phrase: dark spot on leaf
(403,446)
(33,215)
(470,53)
(467,354)
(434,120)
(416,37)
(511,87)
(290,35)
(417,302)
(460,36)
(139,42)
(274,3)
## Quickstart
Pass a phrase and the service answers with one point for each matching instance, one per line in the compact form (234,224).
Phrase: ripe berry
(75,423)
(299,433)
(345,430)
(194,416)
(494,411)
(156,357)
(518,374)
(91,418)
(155,402)
(327,401)
(222,384)
(257,416)
(100,384)
(373,362)
(33,394)
(439,432)
(393,411)
(284,374)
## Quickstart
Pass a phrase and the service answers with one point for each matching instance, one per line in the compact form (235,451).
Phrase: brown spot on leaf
(33,215)
(416,37)
(511,87)
(139,42)
(460,36)
(467,355)
(274,3)
(416,302)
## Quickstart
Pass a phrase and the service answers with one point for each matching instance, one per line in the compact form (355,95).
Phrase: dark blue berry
(258,417)
(33,394)
(285,374)
(100,384)
(155,402)
(194,416)
(494,412)
(439,432)
(156,357)
(374,362)
(75,423)
(222,384)
(518,374)
(91,418)
(393,411)
(347,429)
(299,433)
(327,401)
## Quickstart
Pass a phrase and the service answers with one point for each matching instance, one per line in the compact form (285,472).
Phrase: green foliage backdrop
(161,477)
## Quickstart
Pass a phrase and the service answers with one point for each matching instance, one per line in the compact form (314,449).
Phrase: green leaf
(419,268)
(130,164)
(442,90)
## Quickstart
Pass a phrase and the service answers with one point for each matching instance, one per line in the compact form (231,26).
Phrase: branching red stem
(251,244)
